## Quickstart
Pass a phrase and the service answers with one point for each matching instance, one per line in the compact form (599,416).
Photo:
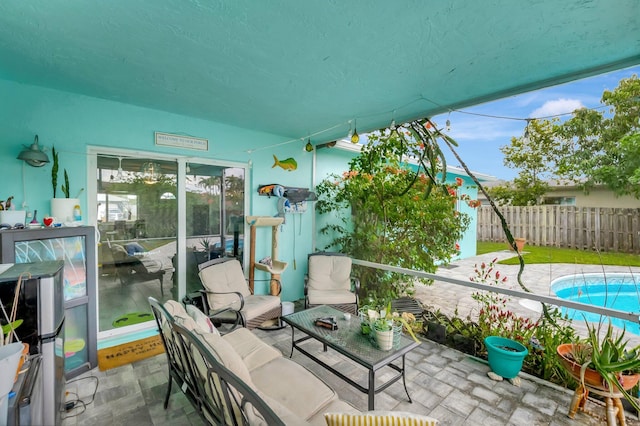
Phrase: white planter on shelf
(62,209)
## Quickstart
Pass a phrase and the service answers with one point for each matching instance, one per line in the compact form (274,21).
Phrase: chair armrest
(272,279)
(355,284)
(306,284)
(356,289)
(204,292)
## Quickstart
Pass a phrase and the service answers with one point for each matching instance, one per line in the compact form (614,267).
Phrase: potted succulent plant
(603,363)
(384,326)
(384,329)
(63,209)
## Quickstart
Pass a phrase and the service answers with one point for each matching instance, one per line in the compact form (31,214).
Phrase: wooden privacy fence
(585,228)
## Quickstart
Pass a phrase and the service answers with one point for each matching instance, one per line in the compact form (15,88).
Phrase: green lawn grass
(533,254)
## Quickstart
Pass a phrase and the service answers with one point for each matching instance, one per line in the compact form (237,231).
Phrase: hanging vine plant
(383,200)
(429,135)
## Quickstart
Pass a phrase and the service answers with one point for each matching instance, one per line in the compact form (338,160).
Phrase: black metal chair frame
(179,367)
(224,396)
(220,397)
(238,318)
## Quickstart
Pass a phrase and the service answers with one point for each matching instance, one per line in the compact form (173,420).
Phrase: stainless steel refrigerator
(40,304)
(76,246)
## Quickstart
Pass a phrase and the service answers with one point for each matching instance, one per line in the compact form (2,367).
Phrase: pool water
(619,291)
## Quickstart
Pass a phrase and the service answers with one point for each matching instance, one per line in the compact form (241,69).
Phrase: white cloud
(556,107)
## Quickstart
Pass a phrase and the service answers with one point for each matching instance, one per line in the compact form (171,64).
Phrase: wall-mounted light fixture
(33,155)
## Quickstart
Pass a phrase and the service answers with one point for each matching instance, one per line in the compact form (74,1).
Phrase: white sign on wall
(178,141)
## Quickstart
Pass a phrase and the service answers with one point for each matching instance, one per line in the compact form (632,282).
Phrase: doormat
(116,356)
(132,318)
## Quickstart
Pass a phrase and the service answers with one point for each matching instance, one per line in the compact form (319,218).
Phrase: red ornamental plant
(494,319)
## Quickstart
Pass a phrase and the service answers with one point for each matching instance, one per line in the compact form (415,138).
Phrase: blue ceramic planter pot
(505,356)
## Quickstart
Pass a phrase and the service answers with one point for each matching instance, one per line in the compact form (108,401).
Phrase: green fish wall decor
(289,164)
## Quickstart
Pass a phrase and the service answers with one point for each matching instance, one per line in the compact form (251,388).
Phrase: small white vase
(62,209)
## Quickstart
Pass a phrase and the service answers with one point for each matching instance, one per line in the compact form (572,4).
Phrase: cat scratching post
(277,267)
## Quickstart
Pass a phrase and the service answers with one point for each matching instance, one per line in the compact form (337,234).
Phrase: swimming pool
(619,291)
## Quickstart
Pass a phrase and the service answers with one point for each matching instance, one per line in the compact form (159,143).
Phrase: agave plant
(610,357)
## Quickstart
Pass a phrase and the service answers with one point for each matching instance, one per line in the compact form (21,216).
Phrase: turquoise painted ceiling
(295,67)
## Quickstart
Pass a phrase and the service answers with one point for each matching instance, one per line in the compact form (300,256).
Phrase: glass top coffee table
(349,341)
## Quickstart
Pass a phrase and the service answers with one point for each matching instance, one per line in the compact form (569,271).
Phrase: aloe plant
(610,357)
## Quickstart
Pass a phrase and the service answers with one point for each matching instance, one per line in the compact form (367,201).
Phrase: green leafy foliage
(604,144)
(541,336)
(388,211)
(535,155)
(593,147)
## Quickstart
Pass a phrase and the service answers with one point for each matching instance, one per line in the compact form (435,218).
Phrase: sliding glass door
(214,216)
(137,201)
(137,221)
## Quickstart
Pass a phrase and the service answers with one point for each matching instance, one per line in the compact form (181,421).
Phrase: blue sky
(480,138)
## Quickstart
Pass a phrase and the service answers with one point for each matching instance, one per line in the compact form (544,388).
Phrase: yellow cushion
(379,418)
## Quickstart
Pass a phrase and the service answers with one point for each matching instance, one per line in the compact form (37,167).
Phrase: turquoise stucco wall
(71,122)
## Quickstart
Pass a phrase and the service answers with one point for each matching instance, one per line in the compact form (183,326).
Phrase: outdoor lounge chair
(227,298)
(329,282)
(132,269)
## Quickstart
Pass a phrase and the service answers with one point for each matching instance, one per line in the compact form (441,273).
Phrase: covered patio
(259,81)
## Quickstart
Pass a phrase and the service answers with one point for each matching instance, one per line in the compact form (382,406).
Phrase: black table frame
(324,336)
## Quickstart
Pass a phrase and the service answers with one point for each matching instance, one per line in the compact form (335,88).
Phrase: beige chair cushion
(293,386)
(256,305)
(329,273)
(331,297)
(286,415)
(253,351)
(174,308)
(223,278)
(202,321)
(227,356)
(180,316)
